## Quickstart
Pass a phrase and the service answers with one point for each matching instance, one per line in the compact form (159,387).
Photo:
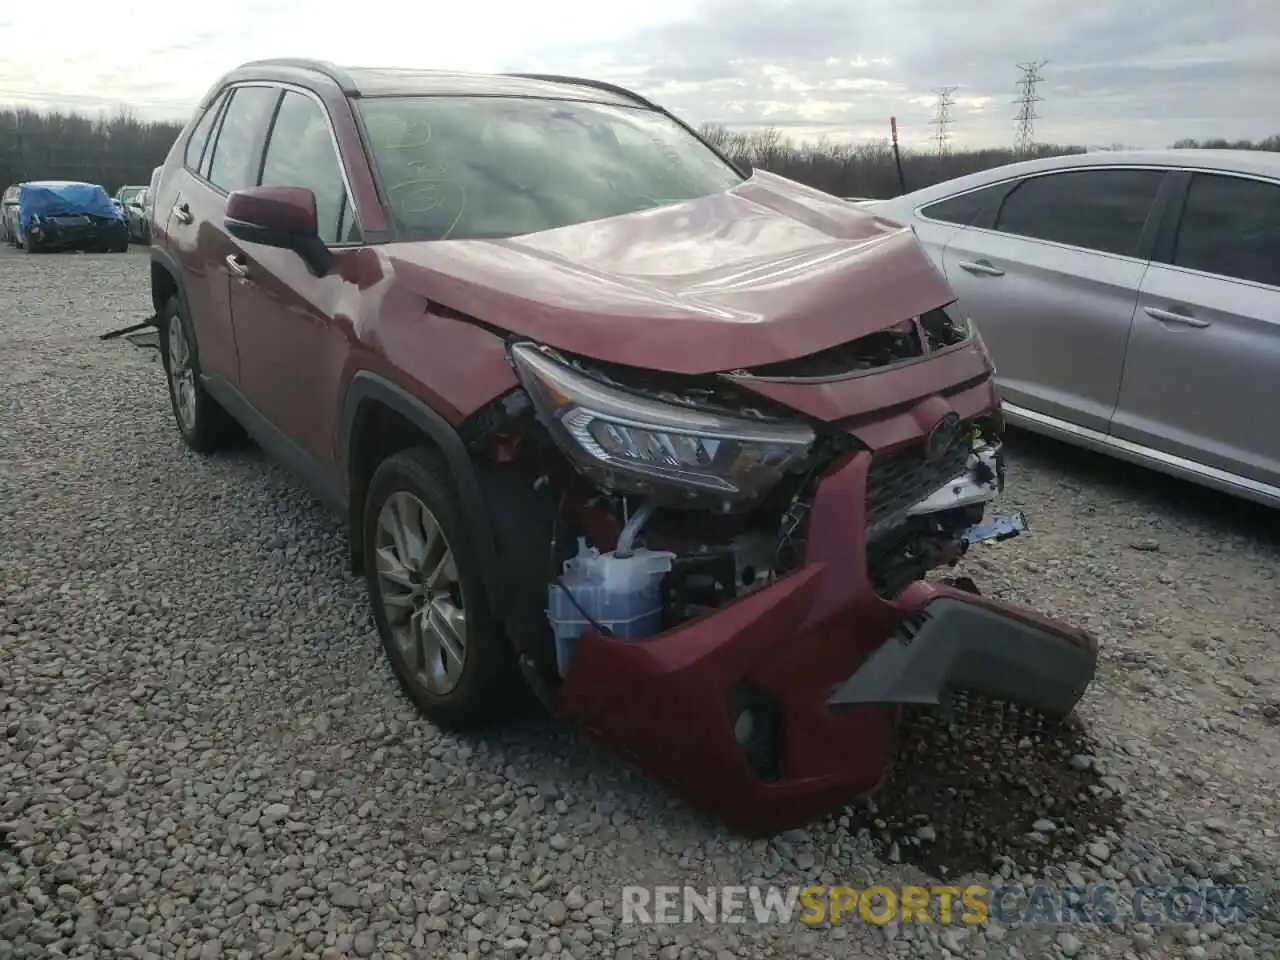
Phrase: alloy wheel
(182,377)
(420,593)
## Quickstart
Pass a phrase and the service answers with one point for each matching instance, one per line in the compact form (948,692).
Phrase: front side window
(491,167)
(237,151)
(1231,226)
(1102,210)
(300,153)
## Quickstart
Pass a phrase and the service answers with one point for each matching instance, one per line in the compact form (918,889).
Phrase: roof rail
(324,67)
(595,84)
(634,98)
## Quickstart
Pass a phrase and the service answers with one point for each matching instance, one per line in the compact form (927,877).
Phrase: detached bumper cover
(818,651)
(957,644)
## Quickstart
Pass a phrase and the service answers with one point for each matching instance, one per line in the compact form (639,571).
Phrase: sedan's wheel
(204,425)
(445,647)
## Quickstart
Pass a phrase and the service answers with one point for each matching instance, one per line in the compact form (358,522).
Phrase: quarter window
(1102,210)
(1231,226)
(300,153)
(200,135)
(237,151)
(963,210)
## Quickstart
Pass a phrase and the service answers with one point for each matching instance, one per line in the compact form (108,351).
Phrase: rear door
(1051,281)
(228,160)
(1202,375)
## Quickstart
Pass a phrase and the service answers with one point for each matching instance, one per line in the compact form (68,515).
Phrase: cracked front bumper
(816,654)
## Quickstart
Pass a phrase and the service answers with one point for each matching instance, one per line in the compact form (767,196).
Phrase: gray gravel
(203,753)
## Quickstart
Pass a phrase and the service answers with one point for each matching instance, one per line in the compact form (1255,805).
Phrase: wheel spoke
(443,573)
(448,624)
(390,568)
(412,643)
(392,523)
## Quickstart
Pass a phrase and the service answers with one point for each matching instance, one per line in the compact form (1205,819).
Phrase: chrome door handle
(1173,316)
(983,267)
(183,213)
(237,266)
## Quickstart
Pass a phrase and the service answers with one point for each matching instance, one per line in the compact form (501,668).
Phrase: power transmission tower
(1024,138)
(942,118)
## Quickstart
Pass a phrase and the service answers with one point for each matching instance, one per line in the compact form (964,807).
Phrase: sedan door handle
(183,213)
(983,267)
(237,266)
(1174,316)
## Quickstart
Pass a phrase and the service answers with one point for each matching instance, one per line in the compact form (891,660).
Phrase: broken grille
(902,478)
(910,340)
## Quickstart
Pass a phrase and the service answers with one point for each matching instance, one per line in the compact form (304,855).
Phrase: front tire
(204,425)
(446,649)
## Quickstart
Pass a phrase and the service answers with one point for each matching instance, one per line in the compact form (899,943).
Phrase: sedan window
(1231,226)
(1102,210)
(965,209)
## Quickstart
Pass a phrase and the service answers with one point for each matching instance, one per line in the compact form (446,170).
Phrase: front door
(293,334)
(1051,287)
(1202,375)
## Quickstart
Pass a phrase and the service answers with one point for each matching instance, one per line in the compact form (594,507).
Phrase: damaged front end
(734,594)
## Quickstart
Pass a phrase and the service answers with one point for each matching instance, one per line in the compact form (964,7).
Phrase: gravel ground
(204,753)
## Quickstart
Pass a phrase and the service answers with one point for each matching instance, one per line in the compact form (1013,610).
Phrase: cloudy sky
(1137,72)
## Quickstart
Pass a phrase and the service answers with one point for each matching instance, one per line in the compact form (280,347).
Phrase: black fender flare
(170,264)
(365,387)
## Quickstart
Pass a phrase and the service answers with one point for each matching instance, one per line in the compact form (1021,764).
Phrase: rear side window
(1231,226)
(300,153)
(964,209)
(237,152)
(200,135)
(1102,210)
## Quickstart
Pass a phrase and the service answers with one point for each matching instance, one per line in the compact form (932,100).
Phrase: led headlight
(633,444)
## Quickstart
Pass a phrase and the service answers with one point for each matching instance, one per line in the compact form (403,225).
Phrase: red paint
(286,209)
(663,701)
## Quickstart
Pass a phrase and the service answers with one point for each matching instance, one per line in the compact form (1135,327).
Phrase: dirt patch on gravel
(967,794)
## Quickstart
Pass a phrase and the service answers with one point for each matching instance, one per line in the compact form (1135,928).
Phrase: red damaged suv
(669,445)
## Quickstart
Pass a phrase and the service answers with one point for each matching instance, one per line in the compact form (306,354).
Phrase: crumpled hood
(768,271)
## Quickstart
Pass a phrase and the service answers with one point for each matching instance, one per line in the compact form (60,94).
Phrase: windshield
(127,194)
(488,167)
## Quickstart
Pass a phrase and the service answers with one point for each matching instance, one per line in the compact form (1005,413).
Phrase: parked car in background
(1130,301)
(129,193)
(595,339)
(67,215)
(9,215)
(137,216)
(149,202)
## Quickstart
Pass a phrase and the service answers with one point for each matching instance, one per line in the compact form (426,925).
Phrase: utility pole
(942,118)
(1024,137)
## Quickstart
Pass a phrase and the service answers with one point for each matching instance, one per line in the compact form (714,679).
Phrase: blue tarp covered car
(66,215)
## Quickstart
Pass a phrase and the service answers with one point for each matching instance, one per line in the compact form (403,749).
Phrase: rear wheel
(446,649)
(204,425)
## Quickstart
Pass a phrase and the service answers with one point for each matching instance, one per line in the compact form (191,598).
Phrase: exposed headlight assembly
(629,443)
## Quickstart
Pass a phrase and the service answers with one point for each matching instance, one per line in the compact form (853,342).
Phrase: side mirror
(283,217)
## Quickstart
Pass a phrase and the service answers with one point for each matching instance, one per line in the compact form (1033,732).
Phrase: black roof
(385,82)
